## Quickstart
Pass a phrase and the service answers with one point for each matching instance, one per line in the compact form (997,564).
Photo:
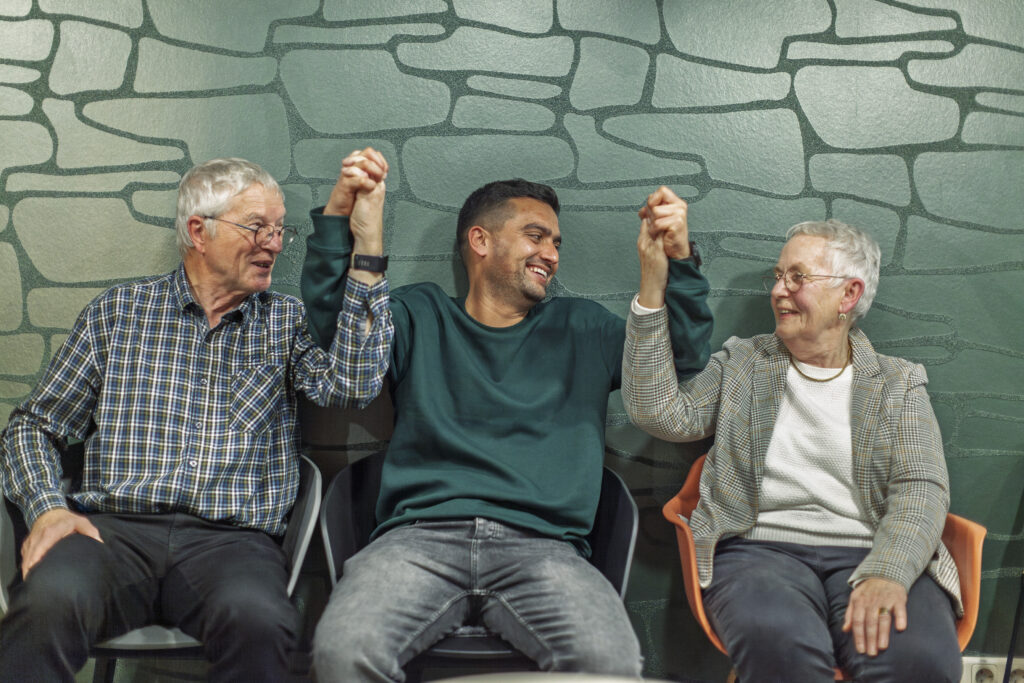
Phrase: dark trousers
(222,585)
(779,610)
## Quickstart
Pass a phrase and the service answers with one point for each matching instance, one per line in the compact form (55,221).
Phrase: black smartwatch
(373,264)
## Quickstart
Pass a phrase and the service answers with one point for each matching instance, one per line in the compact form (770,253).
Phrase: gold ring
(882,611)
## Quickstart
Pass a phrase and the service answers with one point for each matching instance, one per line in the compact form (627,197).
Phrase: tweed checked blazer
(898,462)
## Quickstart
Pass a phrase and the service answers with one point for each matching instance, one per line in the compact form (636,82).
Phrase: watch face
(373,264)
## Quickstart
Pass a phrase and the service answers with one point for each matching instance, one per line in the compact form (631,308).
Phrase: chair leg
(1013,633)
(105,669)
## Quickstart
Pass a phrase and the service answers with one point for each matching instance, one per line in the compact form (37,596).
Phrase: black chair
(347,518)
(154,640)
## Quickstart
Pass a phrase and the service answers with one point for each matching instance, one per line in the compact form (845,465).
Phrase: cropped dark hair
(492,196)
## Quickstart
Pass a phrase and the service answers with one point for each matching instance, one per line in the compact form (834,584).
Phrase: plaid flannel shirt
(182,418)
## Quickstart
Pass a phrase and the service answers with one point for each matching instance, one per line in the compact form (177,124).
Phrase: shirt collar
(248,310)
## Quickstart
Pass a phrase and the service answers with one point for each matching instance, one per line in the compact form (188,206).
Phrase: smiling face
(235,264)
(524,256)
(810,315)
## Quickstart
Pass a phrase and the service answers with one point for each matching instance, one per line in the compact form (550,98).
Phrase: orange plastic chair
(963,539)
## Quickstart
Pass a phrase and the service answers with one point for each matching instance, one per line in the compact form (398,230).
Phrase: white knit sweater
(808,494)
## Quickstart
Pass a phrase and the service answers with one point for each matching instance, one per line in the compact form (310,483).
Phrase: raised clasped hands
(361,172)
(664,235)
(359,194)
(876,606)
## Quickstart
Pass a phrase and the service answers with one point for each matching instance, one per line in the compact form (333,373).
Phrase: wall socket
(990,669)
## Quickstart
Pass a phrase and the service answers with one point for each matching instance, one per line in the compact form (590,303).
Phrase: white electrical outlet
(991,669)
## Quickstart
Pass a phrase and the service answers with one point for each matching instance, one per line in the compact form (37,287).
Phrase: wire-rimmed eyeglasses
(264,234)
(793,279)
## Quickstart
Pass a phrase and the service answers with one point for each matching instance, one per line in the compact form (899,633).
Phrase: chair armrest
(302,519)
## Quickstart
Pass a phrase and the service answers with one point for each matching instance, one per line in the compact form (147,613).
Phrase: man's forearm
(30,469)
(690,319)
(361,347)
(328,256)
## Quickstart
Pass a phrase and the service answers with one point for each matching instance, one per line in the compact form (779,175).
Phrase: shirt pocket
(256,398)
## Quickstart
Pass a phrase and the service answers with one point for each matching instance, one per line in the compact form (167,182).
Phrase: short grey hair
(208,188)
(852,252)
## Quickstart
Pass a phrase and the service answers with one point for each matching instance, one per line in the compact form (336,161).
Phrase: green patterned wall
(906,118)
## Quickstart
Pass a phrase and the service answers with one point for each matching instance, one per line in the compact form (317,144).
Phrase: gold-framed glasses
(264,234)
(793,279)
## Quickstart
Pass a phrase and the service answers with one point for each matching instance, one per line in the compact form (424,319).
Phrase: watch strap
(373,264)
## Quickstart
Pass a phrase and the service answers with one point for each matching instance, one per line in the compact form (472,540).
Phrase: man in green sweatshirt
(493,473)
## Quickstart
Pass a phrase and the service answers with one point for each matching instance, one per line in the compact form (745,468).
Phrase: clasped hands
(664,235)
(359,194)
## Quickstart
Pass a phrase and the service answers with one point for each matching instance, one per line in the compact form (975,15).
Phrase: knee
(614,652)
(621,660)
(57,591)
(771,648)
(256,616)
(910,657)
(344,652)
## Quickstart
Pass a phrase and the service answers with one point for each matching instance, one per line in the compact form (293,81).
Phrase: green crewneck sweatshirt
(502,423)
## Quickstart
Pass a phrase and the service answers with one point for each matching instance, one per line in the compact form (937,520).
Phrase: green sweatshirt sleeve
(323,273)
(689,316)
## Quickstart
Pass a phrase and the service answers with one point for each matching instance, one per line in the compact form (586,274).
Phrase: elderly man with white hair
(184,388)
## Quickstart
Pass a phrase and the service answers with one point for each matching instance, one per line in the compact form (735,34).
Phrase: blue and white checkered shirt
(182,418)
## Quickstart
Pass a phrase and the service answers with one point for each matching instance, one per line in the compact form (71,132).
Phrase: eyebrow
(544,229)
(253,217)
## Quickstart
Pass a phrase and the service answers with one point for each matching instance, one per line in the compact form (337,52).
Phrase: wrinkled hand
(667,214)
(653,266)
(361,171)
(876,605)
(50,527)
(367,221)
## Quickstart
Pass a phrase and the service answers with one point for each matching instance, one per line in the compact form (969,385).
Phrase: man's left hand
(876,605)
(667,215)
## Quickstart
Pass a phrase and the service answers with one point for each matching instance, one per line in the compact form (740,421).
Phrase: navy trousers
(779,610)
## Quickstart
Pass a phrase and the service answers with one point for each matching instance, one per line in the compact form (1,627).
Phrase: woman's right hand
(653,266)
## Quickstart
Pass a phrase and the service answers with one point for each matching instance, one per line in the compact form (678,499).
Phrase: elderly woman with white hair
(823,499)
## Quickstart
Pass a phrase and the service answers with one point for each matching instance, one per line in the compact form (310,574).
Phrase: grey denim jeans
(418,583)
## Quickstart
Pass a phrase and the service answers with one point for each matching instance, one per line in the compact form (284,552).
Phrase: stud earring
(842,316)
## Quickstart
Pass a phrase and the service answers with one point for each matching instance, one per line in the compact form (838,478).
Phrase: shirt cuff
(640,309)
(361,298)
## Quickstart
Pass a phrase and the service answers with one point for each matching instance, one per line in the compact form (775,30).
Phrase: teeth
(540,271)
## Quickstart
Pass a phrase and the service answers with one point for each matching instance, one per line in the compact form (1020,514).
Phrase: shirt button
(203,382)
(198,425)
(193,463)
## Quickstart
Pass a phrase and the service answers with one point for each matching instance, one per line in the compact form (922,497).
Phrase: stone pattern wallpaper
(903,117)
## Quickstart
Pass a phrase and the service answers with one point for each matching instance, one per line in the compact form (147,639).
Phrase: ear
(479,240)
(197,232)
(852,291)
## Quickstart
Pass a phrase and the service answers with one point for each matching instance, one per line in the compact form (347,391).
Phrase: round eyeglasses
(793,279)
(264,234)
